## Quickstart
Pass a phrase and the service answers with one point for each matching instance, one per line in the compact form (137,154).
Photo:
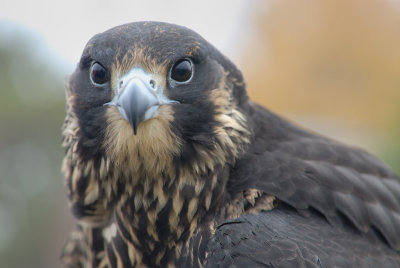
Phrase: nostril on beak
(121,83)
(152,84)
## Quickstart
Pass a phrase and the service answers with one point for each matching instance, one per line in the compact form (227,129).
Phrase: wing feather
(306,170)
(283,238)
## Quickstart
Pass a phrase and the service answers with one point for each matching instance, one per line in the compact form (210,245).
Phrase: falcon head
(157,95)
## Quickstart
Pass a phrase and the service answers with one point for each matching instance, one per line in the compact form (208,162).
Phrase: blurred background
(332,66)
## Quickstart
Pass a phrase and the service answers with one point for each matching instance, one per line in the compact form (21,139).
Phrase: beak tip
(134,126)
(135,102)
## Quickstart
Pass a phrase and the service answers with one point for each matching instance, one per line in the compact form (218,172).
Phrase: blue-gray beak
(138,97)
(137,102)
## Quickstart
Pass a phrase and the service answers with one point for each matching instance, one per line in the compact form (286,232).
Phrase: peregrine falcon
(168,163)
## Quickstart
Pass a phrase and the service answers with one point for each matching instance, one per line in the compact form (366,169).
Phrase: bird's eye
(182,71)
(98,74)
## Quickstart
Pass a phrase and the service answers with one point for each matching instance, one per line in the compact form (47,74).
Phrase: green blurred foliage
(34,217)
(391,152)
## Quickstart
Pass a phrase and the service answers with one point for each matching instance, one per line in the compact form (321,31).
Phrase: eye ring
(98,74)
(182,71)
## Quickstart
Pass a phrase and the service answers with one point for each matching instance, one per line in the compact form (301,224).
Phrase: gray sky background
(66,26)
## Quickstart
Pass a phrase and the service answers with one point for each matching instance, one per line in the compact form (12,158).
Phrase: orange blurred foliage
(336,59)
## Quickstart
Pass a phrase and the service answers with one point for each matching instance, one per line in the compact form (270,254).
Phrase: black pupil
(98,74)
(182,71)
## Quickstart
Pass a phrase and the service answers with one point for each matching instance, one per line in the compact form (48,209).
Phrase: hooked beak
(137,103)
(138,97)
